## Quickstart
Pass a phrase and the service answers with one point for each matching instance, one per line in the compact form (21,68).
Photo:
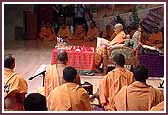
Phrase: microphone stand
(43,73)
(43,77)
(161,84)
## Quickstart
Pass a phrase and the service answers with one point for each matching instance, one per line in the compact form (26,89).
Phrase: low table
(80,57)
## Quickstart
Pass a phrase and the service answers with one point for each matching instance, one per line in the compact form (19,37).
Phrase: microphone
(43,72)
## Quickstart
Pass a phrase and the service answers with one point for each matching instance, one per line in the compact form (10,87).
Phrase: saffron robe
(137,97)
(54,77)
(15,87)
(111,85)
(69,97)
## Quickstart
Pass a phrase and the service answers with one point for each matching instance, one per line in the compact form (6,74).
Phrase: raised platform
(154,63)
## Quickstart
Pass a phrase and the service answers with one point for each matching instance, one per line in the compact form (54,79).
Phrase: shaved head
(119,26)
(62,55)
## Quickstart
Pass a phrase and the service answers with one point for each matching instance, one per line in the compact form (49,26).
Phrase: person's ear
(13,66)
(75,79)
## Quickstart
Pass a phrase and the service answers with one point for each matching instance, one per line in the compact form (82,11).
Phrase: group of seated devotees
(155,39)
(65,98)
(70,96)
(122,90)
(118,36)
(138,96)
(80,33)
(119,90)
(47,32)
(67,82)
(114,81)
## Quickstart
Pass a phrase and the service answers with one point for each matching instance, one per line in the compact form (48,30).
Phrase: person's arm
(86,102)
(95,95)
(103,91)
(112,43)
(21,89)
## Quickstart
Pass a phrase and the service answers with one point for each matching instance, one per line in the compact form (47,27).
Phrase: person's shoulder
(51,66)
(135,34)
(155,90)
(123,89)
(160,33)
(127,70)
(20,79)
(80,89)
(109,74)
(112,72)
(123,33)
(57,89)
(19,76)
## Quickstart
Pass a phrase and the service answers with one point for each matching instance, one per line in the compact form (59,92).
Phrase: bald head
(62,56)
(118,27)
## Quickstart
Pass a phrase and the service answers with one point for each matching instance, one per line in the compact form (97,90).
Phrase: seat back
(126,51)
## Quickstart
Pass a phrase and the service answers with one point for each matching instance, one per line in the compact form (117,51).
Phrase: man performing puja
(118,39)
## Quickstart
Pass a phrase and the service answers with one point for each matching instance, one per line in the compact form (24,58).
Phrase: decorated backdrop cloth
(80,57)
